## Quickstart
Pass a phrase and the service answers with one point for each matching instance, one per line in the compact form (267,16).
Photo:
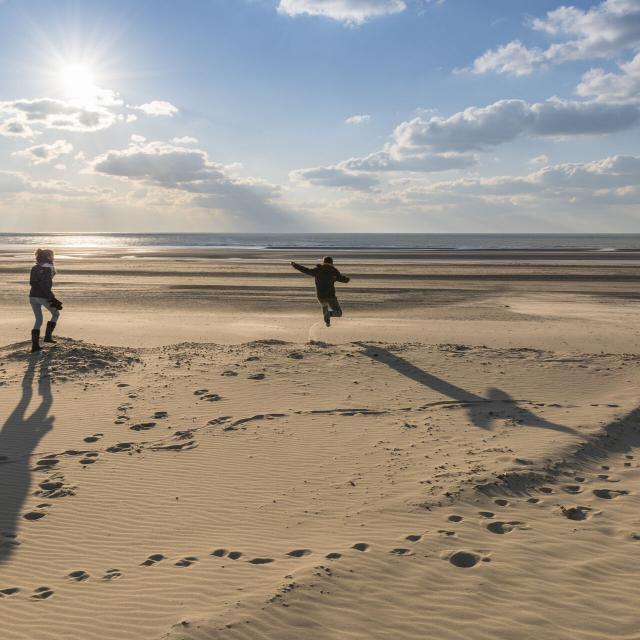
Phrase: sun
(77,80)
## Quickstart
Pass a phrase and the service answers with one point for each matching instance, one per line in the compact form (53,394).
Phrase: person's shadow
(19,437)
(482,410)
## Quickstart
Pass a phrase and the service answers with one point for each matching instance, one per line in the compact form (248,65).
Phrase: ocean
(326,241)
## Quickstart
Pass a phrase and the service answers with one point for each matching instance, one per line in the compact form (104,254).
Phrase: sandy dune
(345,488)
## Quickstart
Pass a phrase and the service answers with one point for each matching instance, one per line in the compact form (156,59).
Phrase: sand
(200,458)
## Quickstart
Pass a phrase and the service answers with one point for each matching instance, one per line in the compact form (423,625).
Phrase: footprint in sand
(573,488)
(299,553)
(159,415)
(399,551)
(504,527)
(447,534)
(360,546)
(90,458)
(333,556)
(46,463)
(455,518)
(486,514)
(42,593)
(501,502)
(186,562)
(11,591)
(414,537)
(219,553)
(546,490)
(465,559)
(143,426)
(94,438)
(229,374)
(576,513)
(260,561)
(234,555)
(36,515)
(120,446)
(200,392)
(153,559)
(211,397)
(112,574)
(78,576)
(533,500)
(257,376)
(609,494)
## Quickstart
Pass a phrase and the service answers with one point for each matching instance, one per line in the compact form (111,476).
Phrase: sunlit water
(594,242)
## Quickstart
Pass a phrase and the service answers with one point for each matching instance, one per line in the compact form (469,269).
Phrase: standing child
(326,275)
(41,295)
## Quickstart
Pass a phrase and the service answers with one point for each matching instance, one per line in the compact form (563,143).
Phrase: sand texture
(379,481)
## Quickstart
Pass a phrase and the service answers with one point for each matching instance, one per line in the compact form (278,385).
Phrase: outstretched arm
(341,278)
(302,269)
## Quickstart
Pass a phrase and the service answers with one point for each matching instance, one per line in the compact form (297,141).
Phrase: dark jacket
(41,282)
(326,275)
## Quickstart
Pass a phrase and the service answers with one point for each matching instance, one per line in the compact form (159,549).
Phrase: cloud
(348,11)
(158,108)
(45,153)
(541,160)
(22,115)
(396,159)
(203,182)
(607,29)
(480,128)
(14,183)
(184,140)
(334,177)
(614,180)
(358,119)
(15,128)
(613,87)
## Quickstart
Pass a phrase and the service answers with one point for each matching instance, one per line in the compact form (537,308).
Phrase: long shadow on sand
(476,405)
(19,437)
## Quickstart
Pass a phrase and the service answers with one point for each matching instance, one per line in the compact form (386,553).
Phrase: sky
(320,115)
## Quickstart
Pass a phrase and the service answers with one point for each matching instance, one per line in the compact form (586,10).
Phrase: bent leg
(55,313)
(336,309)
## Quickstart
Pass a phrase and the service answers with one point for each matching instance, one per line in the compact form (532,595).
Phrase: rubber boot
(35,340)
(48,333)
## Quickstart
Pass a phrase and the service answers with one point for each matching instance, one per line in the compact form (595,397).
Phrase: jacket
(326,275)
(41,282)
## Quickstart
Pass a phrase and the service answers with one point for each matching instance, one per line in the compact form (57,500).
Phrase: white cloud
(607,29)
(613,87)
(21,115)
(358,119)
(15,128)
(397,159)
(479,128)
(201,181)
(348,11)
(334,177)
(158,108)
(431,144)
(184,140)
(538,161)
(612,180)
(45,153)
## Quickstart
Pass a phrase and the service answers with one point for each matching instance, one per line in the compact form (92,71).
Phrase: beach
(199,457)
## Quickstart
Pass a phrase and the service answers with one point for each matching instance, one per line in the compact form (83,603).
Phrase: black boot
(47,336)
(35,340)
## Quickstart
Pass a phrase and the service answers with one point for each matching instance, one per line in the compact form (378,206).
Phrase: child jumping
(326,275)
